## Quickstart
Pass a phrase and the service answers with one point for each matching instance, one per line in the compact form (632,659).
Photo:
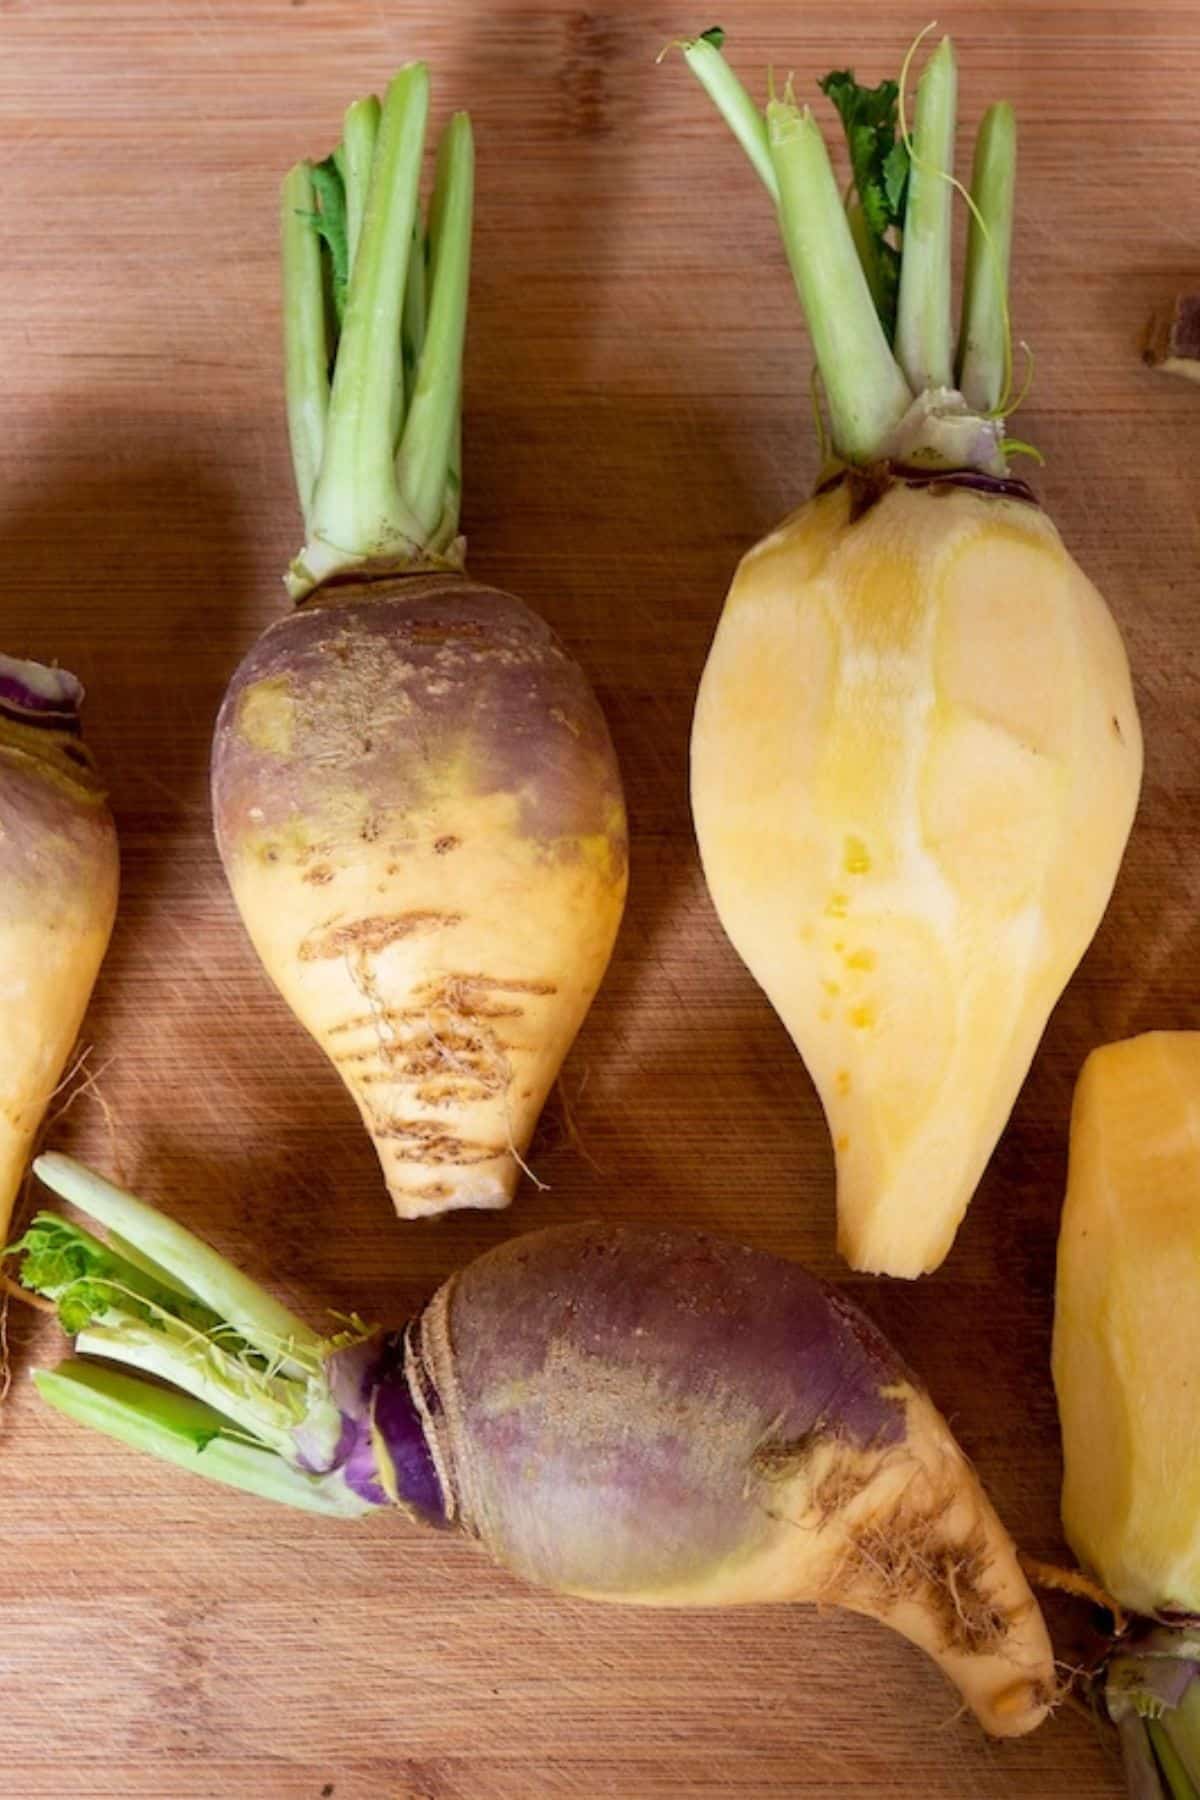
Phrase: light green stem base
(375,447)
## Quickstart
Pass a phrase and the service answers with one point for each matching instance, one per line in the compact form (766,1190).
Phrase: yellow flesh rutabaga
(1125,1364)
(915,763)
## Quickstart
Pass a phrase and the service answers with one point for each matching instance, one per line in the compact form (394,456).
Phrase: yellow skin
(420,815)
(1125,1364)
(915,764)
(58,898)
(454,1005)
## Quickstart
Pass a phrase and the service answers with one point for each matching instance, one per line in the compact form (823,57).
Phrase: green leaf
(895,178)
(329,223)
(879,164)
(715,36)
(86,1279)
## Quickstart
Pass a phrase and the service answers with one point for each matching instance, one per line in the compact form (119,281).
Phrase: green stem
(356,511)
(719,82)
(252,1313)
(923,323)
(868,252)
(412,325)
(305,338)
(429,428)
(1182,1726)
(267,1407)
(181,1430)
(1174,1773)
(985,342)
(866,393)
(360,131)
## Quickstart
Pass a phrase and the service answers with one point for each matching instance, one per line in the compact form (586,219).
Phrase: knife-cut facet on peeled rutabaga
(915,758)
(656,1417)
(416,797)
(58,898)
(1127,1375)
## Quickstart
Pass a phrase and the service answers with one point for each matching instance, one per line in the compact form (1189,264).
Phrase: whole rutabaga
(415,794)
(916,756)
(658,1417)
(58,898)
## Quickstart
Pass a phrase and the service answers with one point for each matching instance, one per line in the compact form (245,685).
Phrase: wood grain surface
(637,415)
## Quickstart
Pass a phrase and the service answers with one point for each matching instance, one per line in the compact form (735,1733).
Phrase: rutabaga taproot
(654,1417)
(58,898)
(1127,1375)
(915,756)
(415,794)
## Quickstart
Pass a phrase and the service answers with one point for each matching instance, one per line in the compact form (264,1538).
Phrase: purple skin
(606,1405)
(27,705)
(368,1379)
(390,679)
(870,484)
(55,825)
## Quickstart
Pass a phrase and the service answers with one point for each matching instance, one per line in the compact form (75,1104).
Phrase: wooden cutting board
(637,415)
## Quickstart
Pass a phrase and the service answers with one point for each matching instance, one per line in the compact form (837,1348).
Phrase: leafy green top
(329,223)
(86,1279)
(879,163)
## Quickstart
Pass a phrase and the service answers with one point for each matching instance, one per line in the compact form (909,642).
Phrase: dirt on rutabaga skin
(55,826)
(669,1419)
(618,1407)
(349,714)
(420,813)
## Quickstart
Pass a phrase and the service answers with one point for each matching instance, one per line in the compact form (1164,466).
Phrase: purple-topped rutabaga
(416,798)
(653,1416)
(35,694)
(58,897)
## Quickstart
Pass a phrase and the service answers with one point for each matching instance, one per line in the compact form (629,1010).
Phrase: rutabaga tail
(927,1556)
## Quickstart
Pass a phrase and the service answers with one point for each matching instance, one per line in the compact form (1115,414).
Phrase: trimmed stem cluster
(250,1401)
(913,396)
(375,309)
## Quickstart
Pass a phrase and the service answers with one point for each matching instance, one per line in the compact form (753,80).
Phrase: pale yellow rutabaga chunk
(1127,1322)
(915,763)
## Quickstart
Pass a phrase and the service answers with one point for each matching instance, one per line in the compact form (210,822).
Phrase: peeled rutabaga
(915,763)
(915,754)
(1126,1354)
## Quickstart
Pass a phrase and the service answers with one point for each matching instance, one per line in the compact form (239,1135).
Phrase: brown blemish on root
(443,845)
(369,936)
(426,1141)
(907,1556)
(1117,732)
(317,876)
(778,1459)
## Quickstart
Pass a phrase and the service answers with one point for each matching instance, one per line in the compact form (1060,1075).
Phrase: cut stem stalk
(985,345)
(429,428)
(923,320)
(360,131)
(253,1314)
(305,338)
(181,1430)
(735,106)
(866,393)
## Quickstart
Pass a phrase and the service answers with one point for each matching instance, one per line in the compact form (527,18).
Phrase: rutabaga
(58,898)
(915,756)
(655,1417)
(415,794)
(1127,1375)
